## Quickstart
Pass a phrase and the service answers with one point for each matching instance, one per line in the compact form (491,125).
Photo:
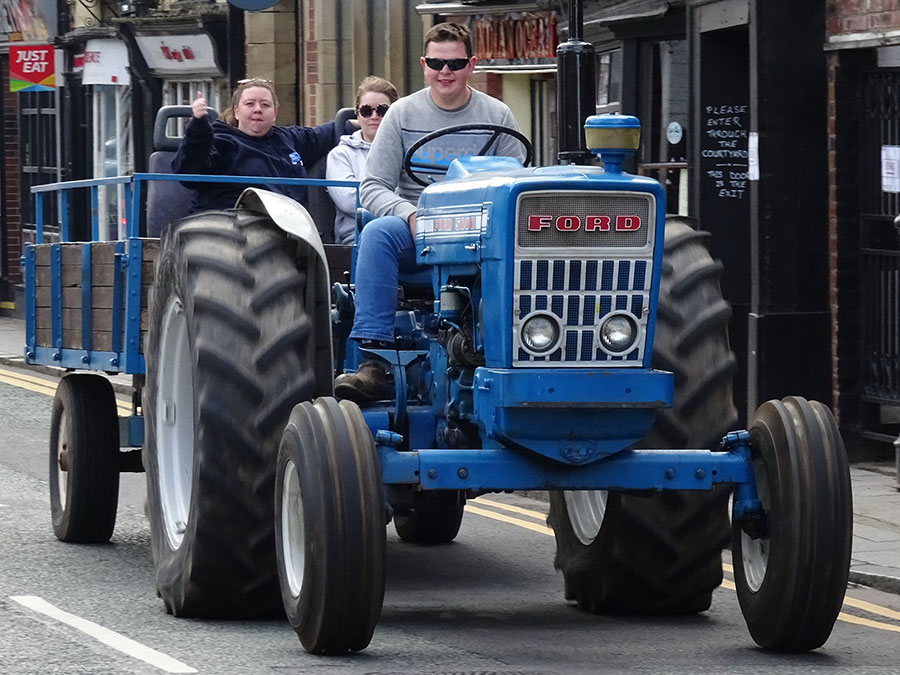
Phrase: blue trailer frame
(124,357)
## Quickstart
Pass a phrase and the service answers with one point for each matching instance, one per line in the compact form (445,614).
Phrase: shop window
(664,119)
(113,156)
(543,121)
(184,93)
(609,81)
(38,153)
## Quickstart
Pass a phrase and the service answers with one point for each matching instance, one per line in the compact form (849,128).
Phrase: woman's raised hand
(199,107)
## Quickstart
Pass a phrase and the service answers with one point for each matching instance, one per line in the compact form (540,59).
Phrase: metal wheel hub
(755,552)
(293,536)
(174,423)
(587,509)
(62,457)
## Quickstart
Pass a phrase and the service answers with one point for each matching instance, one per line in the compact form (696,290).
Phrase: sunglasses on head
(367,110)
(254,79)
(452,64)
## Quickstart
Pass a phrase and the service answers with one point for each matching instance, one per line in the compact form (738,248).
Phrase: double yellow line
(47,386)
(534,521)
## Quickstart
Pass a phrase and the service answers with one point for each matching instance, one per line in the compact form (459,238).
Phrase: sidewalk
(12,353)
(876,500)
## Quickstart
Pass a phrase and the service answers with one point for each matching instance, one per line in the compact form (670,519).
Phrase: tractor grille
(582,275)
(581,293)
(589,220)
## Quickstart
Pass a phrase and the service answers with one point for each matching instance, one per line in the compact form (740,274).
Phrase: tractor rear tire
(791,580)
(330,532)
(435,518)
(84,459)
(230,351)
(662,553)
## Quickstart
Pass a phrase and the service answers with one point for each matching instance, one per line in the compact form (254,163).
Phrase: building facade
(862,49)
(731,95)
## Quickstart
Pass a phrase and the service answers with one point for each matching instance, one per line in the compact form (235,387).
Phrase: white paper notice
(753,156)
(890,168)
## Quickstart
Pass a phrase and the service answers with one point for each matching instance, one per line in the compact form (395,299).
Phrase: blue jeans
(386,247)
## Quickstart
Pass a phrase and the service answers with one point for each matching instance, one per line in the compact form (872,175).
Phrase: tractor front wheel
(330,530)
(791,576)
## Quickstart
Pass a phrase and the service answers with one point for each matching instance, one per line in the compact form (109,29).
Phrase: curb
(881,582)
(18,362)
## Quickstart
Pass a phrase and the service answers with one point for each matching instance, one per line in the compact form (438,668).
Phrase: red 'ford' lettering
(628,223)
(592,223)
(538,223)
(567,223)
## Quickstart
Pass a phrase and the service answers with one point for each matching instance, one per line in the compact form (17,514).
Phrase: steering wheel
(409,166)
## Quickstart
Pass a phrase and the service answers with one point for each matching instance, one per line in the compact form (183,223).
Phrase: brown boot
(369,383)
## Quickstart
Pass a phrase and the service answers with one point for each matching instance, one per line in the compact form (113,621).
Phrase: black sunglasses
(367,110)
(452,64)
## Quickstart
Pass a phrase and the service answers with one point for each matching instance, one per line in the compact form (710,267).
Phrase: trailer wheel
(84,459)
(330,530)
(435,518)
(662,553)
(229,352)
(791,578)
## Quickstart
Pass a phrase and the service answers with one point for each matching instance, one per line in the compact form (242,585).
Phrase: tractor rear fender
(294,220)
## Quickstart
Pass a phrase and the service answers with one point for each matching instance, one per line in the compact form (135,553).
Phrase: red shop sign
(31,68)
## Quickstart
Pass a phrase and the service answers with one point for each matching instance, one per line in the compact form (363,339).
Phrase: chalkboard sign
(723,150)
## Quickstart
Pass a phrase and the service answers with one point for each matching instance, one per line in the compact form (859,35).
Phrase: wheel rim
(293,544)
(62,458)
(174,424)
(587,509)
(755,552)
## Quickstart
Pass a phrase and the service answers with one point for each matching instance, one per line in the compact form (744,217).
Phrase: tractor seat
(418,277)
(167,201)
(320,206)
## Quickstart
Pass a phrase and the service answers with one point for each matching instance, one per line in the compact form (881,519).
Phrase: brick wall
(862,16)
(271,53)
(11,229)
(310,76)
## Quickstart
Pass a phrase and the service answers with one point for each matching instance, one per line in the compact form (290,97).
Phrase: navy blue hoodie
(221,149)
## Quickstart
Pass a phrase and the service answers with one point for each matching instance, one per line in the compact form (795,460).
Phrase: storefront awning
(174,55)
(461,8)
(519,69)
(614,11)
(103,62)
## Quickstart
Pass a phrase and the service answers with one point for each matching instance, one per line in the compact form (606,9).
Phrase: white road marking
(104,635)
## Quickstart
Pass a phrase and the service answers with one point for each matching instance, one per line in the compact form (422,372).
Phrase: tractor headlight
(540,333)
(618,333)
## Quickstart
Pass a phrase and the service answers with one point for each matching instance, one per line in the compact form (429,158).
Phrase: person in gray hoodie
(387,243)
(347,161)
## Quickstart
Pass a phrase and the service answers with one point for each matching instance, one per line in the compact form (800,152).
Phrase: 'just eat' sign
(31,68)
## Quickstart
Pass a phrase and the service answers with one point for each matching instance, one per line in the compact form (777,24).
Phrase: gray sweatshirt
(347,161)
(386,189)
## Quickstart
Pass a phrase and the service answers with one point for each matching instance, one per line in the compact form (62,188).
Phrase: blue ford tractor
(571,338)
(563,334)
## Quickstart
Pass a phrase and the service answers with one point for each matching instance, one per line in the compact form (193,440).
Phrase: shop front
(29,153)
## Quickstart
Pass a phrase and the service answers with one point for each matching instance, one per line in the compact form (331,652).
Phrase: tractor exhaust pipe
(575,89)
